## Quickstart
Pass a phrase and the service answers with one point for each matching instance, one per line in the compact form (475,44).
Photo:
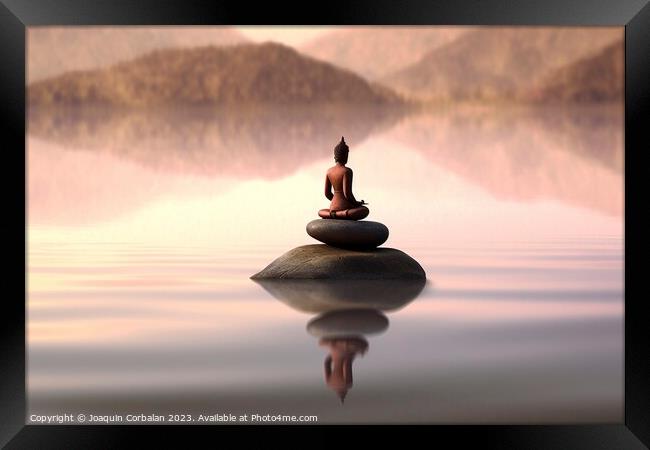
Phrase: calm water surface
(144,229)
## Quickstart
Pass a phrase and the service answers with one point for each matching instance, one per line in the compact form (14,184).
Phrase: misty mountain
(375,51)
(498,63)
(596,78)
(266,73)
(52,51)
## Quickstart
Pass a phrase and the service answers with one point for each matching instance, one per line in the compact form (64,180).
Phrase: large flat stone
(351,234)
(325,262)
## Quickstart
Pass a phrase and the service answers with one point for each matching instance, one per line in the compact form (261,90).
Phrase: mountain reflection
(237,142)
(569,154)
(574,155)
(350,311)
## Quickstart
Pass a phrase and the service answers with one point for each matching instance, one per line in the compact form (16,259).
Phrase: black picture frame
(634,15)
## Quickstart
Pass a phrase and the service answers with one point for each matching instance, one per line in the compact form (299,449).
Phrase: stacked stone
(348,234)
(350,252)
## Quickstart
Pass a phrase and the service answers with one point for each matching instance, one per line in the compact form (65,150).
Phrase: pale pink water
(139,254)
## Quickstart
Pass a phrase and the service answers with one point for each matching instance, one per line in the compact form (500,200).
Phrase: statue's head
(341,152)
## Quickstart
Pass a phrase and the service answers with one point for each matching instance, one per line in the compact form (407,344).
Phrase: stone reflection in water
(349,311)
(322,296)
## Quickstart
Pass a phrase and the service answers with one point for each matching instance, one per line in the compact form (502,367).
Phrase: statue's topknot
(341,150)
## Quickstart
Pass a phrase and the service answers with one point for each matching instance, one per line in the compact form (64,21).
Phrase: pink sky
(287,34)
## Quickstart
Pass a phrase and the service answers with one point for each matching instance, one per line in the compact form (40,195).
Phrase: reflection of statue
(343,204)
(349,310)
(343,333)
(338,364)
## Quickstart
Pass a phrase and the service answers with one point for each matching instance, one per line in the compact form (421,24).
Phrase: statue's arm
(328,188)
(347,187)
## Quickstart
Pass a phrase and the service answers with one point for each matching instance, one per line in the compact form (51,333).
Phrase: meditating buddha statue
(339,177)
